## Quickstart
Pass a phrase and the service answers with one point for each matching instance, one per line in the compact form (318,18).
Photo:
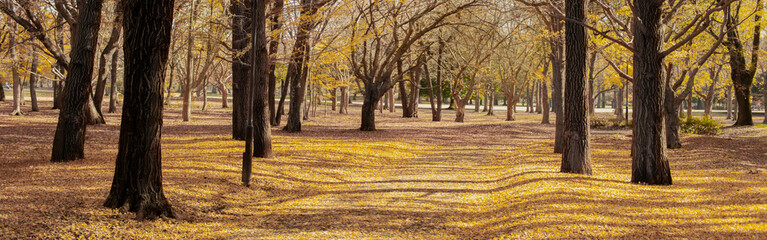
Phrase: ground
(486,178)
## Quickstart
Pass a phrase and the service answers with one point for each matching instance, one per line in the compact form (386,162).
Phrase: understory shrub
(702,126)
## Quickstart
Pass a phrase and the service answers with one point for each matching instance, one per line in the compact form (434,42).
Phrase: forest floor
(413,178)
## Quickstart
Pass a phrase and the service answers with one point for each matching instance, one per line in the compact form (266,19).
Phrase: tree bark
(281,106)
(372,96)
(576,157)
(262,140)
(729,102)
(298,57)
(138,169)
(69,139)
(274,43)
(241,58)
(557,66)
(101,80)
(673,140)
(742,74)
(17,90)
(545,102)
(650,163)
(186,108)
(33,79)
(491,102)
(113,84)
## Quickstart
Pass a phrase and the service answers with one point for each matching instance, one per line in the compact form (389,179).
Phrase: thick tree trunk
(576,157)
(113,84)
(510,110)
(241,23)
(69,139)
(274,43)
(138,169)
(460,108)
(2,93)
(742,74)
(262,139)
(650,163)
(369,108)
(33,79)
(390,100)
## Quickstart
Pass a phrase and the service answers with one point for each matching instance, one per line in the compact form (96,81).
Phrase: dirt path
(412,179)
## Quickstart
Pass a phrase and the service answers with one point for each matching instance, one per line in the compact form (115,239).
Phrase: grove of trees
(653,58)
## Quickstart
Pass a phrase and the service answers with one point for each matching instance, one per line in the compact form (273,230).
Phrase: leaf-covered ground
(486,178)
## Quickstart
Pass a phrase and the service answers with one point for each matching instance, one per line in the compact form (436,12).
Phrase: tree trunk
(186,108)
(671,106)
(368,108)
(33,79)
(576,157)
(113,84)
(460,108)
(689,106)
(333,99)
(92,113)
(490,101)
(17,91)
(476,104)
(69,139)
(619,104)
(274,43)
(650,163)
(241,23)
(138,169)
(729,102)
(344,106)
(764,102)
(101,79)
(262,140)
(281,106)
(545,102)
(510,109)
(298,57)
(557,83)
(742,74)
(390,100)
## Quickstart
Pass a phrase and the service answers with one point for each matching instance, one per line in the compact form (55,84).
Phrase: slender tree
(138,171)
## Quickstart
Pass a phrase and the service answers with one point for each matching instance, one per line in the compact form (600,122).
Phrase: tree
(576,157)
(17,91)
(650,163)
(112,42)
(69,139)
(297,71)
(33,77)
(274,43)
(262,140)
(742,74)
(138,171)
(375,51)
(241,58)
